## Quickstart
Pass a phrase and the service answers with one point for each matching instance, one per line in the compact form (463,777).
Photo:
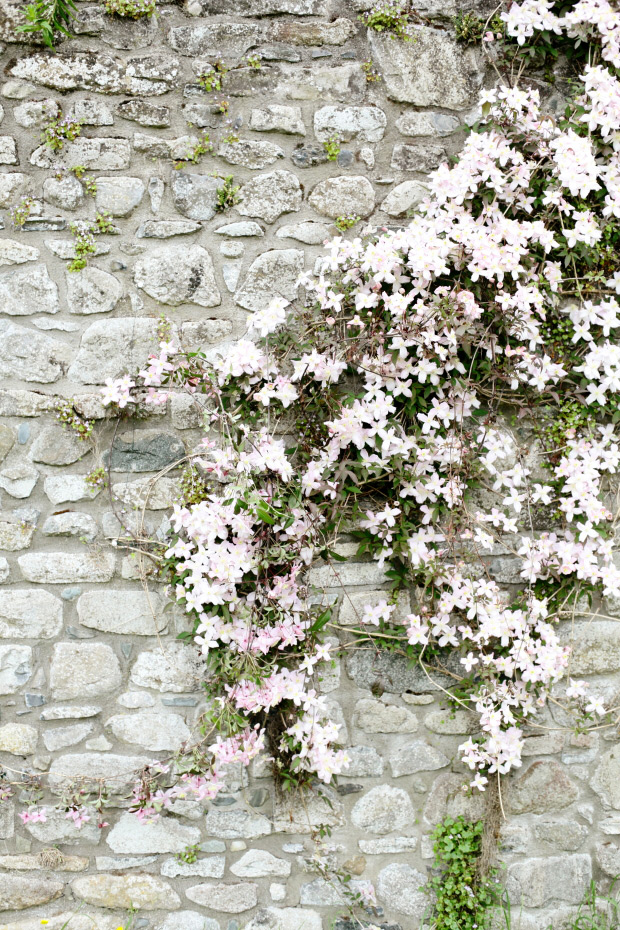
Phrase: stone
(344,83)
(536,882)
(105,154)
(67,567)
(342,195)
(28,614)
(177,274)
(144,113)
(285,918)
(227,39)
(13,186)
(28,290)
(166,229)
(19,480)
(126,891)
(432,70)
(417,756)
(166,835)
(26,863)
(7,440)
(236,824)
(543,788)
(145,450)
(19,739)
(156,732)
(452,722)
(128,612)
(268,196)
(119,196)
(412,123)
(81,525)
(595,646)
(63,488)
(365,124)
(20,891)
(258,863)
(377,717)
(310,233)
(119,774)
(365,761)
(608,857)
(4,570)
(606,780)
(15,534)
(13,252)
(250,154)
(449,797)
(195,195)
(396,844)
(148,493)
(382,810)
(110,348)
(62,737)
(393,673)
(273,273)
(15,667)
(85,70)
(173,667)
(277,118)
(56,445)
(561,834)
(83,920)
(399,887)
(65,248)
(212,867)
(422,158)
(324,893)
(336,32)
(231,898)
(92,112)
(8,151)
(237,230)
(65,192)
(83,670)
(70,711)
(31,356)
(188,920)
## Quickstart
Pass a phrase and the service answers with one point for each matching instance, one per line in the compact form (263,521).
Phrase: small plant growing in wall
(74,421)
(345,222)
(390,17)
(211,79)
(470,28)
(97,479)
(371,73)
(84,246)
(48,18)
(203,147)
(21,211)
(253,61)
(60,129)
(227,194)
(90,184)
(129,9)
(189,854)
(332,148)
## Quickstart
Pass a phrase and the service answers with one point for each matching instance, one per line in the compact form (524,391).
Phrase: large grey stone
(20,891)
(28,614)
(58,446)
(145,450)
(393,673)
(399,886)
(153,731)
(83,670)
(188,920)
(19,479)
(544,787)
(366,124)
(195,195)
(19,739)
(63,737)
(250,153)
(172,667)
(450,797)
(365,761)
(335,32)
(81,525)
(86,70)
(126,891)
(258,863)
(379,717)
(63,488)
(166,229)
(8,151)
(272,274)
(66,567)
(130,612)
(236,824)
(296,813)
(166,835)
(91,769)
(119,196)
(64,192)
(343,195)
(277,118)
(144,113)
(110,348)
(13,186)
(15,667)
(105,154)
(345,83)
(606,780)
(177,274)
(270,195)
(567,835)
(214,39)
(383,809)
(148,493)
(416,756)
(231,899)
(536,882)
(209,867)
(266,8)
(285,918)
(432,70)
(31,356)
(595,646)
(13,252)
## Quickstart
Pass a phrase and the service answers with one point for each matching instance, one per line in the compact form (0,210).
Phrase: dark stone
(248,82)
(145,113)
(44,223)
(34,700)
(320,53)
(343,790)
(179,702)
(223,801)
(384,672)
(259,797)
(279,52)
(308,156)
(146,451)
(23,433)
(422,157)
(345,158)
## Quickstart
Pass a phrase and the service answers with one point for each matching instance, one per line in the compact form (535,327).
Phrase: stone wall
(94,681)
